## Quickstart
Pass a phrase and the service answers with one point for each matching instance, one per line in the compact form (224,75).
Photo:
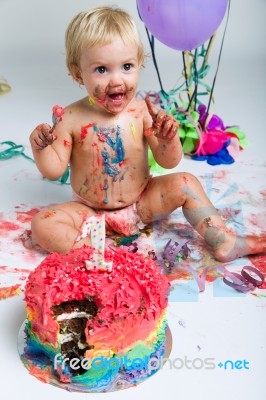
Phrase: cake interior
(72,317)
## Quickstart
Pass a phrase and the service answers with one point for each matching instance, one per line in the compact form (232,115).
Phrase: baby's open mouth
(116,96)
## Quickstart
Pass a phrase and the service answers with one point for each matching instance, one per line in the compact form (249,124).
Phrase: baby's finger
(168,128)
(43,137)
(161,118)
(173,131)
(44,128)
(39,144)
(150,131)
(48,138)
(166,125)
(153,111)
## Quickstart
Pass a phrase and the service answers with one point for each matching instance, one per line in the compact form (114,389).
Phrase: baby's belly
(109,194)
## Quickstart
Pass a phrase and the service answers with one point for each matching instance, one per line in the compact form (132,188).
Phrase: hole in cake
(72,317)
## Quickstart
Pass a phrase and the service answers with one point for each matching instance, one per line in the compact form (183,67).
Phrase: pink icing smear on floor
(10,291)
(20,275)
(17,247)
(7,226)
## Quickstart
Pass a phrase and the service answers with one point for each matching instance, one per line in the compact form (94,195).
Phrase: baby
(105,138)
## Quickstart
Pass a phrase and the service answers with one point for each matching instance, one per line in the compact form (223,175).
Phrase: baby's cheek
(99,91)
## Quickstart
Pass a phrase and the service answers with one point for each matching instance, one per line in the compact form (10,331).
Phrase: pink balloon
(182,24)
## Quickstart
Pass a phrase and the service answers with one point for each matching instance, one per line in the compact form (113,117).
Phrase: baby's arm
(51,148)
(160,130)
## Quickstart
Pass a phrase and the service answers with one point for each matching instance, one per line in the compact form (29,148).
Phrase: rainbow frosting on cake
(95,329)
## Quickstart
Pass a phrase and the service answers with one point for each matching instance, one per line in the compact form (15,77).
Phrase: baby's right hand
(42,136)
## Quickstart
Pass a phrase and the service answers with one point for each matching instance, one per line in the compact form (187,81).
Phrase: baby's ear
(75,73)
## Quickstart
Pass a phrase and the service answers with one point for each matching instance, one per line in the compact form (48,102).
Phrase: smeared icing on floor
(10,291)
(242,211)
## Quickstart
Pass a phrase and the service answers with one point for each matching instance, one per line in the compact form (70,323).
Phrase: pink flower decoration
(211,142)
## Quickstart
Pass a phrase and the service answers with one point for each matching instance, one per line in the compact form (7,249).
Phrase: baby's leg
(166,193)
(57,228)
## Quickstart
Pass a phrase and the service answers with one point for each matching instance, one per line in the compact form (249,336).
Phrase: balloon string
(242,282)
(209,46)
(196,81)
(219,59)
(192,74)
(14,150)
(152,46)
(186,74)
(196,77)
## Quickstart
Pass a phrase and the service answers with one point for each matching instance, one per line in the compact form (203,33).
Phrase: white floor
(216,324)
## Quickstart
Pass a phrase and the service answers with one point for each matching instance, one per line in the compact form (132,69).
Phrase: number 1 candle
(95,227)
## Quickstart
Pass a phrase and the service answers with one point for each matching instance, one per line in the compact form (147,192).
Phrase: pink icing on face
(130,298)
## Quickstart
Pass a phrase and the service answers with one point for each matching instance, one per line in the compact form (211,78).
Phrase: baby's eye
(101,69)
(127,67)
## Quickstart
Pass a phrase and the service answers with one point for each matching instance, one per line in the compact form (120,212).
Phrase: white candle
(95,227)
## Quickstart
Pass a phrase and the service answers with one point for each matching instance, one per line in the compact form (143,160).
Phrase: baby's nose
(116,80)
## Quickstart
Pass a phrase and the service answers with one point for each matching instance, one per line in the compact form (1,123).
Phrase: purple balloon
(182,24)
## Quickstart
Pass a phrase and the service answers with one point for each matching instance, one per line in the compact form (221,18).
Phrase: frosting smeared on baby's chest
(111,150)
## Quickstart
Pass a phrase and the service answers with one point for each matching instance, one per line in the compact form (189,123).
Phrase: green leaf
(192,133)
(181,132)
(188,145)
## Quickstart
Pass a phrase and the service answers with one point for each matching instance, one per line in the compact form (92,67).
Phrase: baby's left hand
(164,126)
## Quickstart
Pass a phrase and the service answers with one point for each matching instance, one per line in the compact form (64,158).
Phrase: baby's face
(110,74)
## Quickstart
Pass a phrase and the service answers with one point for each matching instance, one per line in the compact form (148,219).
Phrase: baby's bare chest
(113,143)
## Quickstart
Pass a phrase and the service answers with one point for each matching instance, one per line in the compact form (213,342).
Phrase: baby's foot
(234,247)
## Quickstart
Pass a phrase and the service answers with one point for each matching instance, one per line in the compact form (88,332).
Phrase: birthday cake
(95,329)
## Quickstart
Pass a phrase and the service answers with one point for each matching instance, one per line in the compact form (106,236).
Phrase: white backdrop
(32,60)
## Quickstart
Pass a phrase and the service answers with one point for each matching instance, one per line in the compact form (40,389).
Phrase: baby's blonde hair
(99,26)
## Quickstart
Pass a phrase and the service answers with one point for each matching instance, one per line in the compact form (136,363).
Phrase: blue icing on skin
(105,188)
(116,144)
(108,168)
(119,149)
(112,137)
